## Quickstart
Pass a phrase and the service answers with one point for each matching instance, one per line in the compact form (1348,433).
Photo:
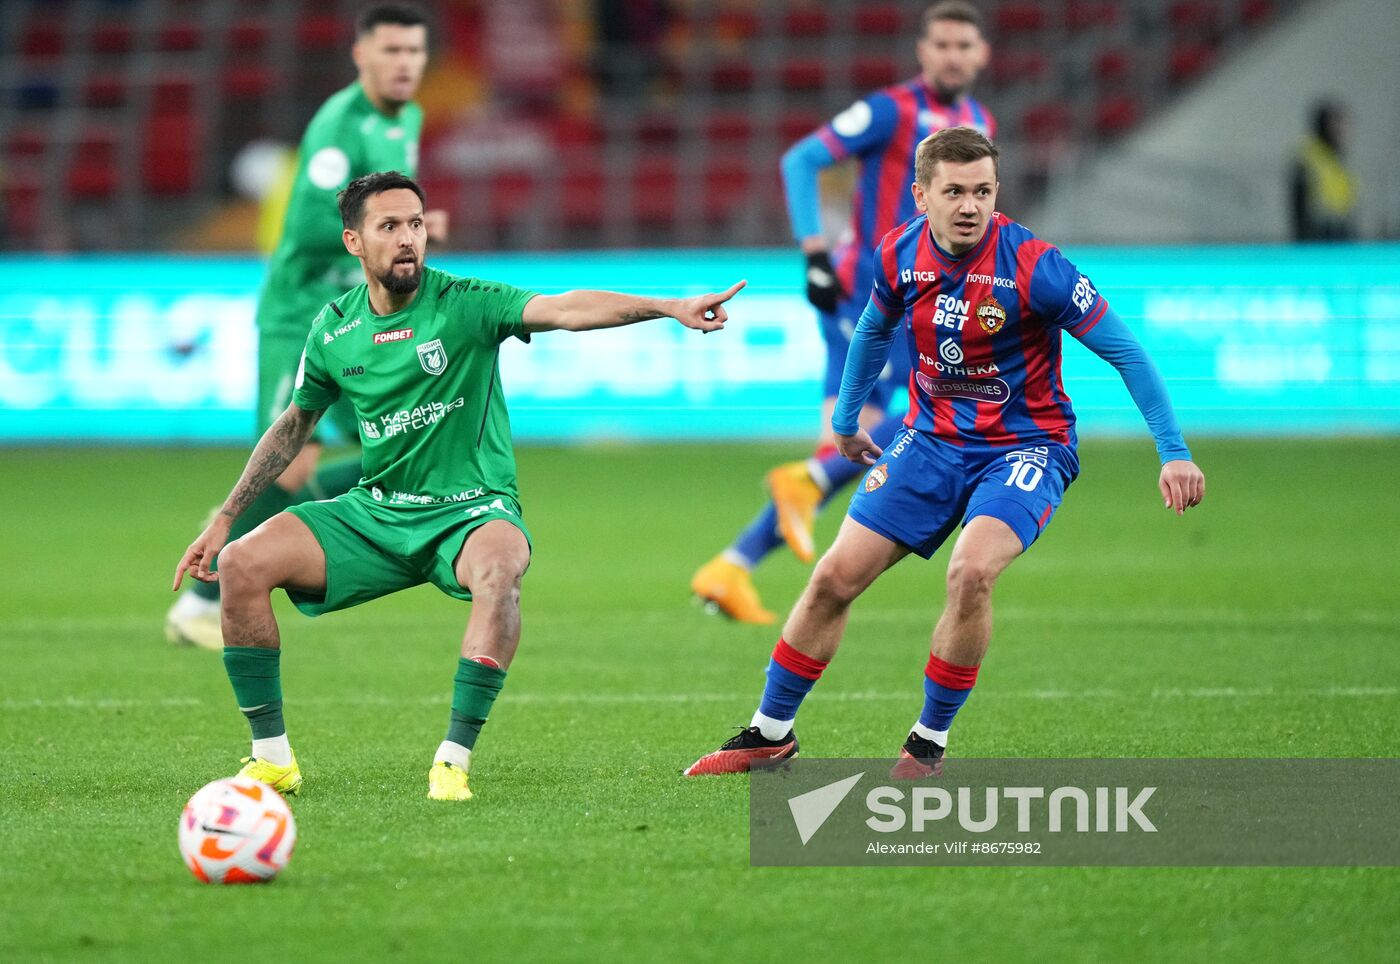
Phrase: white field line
(593,699)
(14,629)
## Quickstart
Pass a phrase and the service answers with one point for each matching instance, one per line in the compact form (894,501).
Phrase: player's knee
(835,584)
(239,569)
(970,580)
(499,576)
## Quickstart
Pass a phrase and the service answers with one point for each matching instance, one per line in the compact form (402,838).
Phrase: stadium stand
(120,117)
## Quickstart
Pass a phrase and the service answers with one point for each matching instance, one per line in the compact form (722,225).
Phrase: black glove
(823,290)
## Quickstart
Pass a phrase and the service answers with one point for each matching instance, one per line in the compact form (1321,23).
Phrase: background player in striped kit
(371,125)
(880,132)
(989,441)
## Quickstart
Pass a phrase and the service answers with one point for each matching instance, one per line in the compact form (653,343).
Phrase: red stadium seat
(23,207)
(584,199)
(247,35)
(1113,66)
(512,194)
(112,38)
(93,171)
(173,94)
(1116,114)
(881,20)
(1255,13)
(732,76)
(323,31)
(875,71)
(169,156)
(731,130)
(1188,60)
(736,24)
(1194,15)
(179,38)
(105,91)
(27,144)
(1019,67)
(726,188)
(655,184)
(1082,15)
(795,125)
(1048,121)
(573,131)
(248,81)
(658,130)
(1020,18)
(803,73)
(43,39)
(806,22)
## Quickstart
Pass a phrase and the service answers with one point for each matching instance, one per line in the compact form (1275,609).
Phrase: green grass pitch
(1265,624)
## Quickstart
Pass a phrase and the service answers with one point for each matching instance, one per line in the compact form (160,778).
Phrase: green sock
(264,507)
(332,479)
(256,675)
(474,689)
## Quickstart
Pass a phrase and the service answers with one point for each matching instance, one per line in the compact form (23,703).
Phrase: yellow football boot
(726,587)
(285,780)
(797,498)
(447,781)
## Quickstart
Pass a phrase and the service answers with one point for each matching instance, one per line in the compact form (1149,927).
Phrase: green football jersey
(426,385)
(346,139)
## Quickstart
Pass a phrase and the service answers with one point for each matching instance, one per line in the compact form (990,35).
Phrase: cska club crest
(990,315)
(877,477)
(432,356)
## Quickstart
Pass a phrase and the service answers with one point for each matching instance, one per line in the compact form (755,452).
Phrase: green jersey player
(414,351)
(371,125)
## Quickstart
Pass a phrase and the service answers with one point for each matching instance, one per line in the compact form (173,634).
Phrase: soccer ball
(237,831)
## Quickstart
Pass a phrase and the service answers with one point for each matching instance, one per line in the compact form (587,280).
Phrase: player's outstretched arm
(271,456)
(587,310)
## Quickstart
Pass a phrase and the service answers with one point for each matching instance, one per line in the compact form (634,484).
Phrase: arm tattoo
(273,453)
(636,315)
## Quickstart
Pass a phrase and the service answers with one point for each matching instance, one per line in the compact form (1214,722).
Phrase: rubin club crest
(432,356)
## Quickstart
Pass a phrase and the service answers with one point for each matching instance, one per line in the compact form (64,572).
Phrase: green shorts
(373,550)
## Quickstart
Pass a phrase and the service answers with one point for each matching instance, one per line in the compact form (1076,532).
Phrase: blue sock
(946,689)
(791,676)
(760,537)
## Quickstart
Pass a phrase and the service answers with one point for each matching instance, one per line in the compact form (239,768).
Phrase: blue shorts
(837,331)
(922,488)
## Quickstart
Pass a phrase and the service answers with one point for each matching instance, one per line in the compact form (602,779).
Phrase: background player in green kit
(415,351)
(371,125)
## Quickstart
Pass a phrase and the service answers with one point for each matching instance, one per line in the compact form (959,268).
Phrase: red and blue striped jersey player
(878,134)
(988,444)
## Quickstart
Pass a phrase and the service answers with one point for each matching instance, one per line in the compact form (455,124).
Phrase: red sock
(825,451)
(808,667)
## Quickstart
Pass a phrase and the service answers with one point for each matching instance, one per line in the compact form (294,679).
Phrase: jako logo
(398,334)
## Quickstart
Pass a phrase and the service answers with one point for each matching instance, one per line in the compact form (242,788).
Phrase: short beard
(397,284)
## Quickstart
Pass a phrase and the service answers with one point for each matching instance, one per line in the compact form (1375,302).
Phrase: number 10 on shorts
(1027,468)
